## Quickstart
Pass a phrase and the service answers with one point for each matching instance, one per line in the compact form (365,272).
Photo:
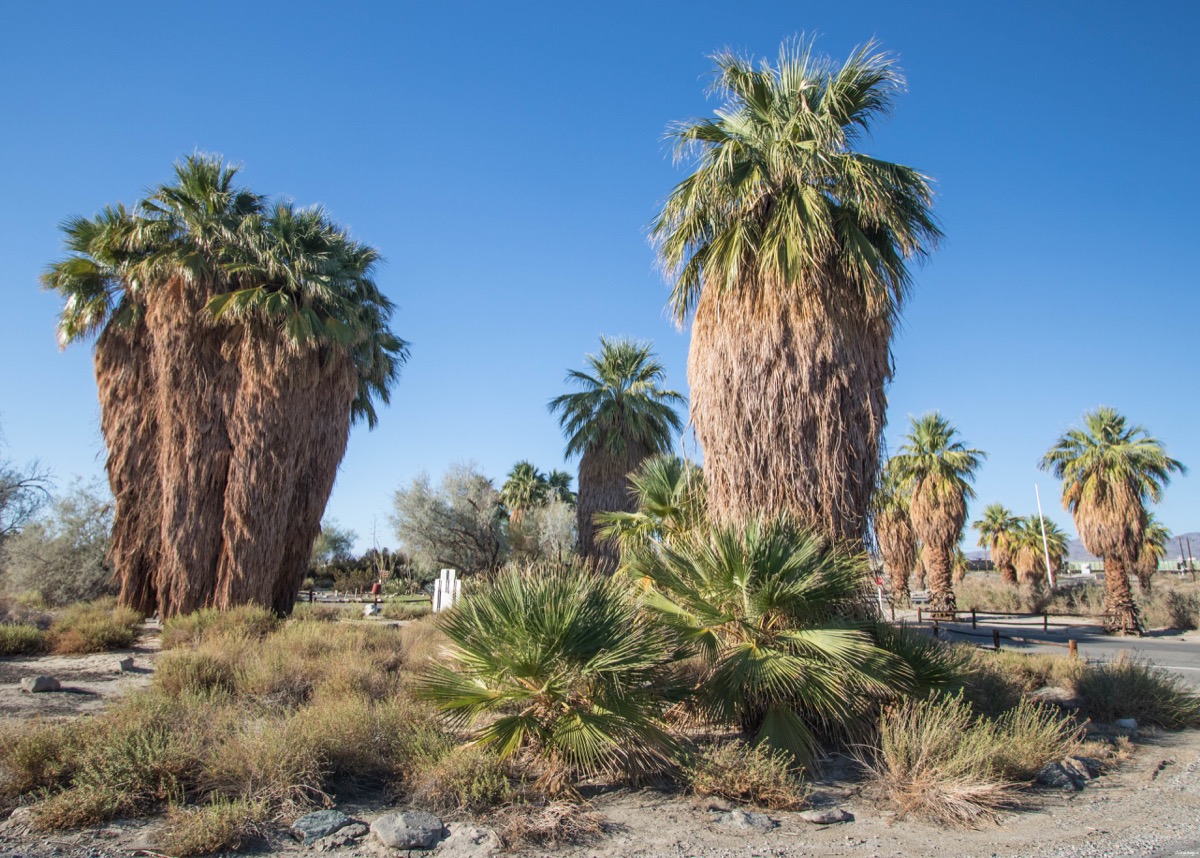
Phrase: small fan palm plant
(1155,537)
(561,669)
(619,417)
(997,531)
(938,469)
(1110,471)
(775,615)
(894,533)
(670,502)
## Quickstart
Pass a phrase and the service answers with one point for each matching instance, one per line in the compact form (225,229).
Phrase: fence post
(935,629)
(311,596)
(996,640)
(1045,621)
(1074,648)
(973,619)
(918,615)
(893,612)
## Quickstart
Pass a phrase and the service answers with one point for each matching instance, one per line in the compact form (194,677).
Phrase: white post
(457,590)
(1045,544)
(437,595)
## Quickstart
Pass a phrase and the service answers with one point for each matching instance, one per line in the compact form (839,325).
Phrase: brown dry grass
(748,773)
(90,627)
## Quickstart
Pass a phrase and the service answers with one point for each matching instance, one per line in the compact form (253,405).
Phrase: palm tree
(525,487)
(237,341)
(1155,537)
(959,566)
(1029,550)
(938,470)
(790,251)
(770,610)
(894,533)
(559,484)
(1110,470)
(620,416)
(670,502)
(997,529)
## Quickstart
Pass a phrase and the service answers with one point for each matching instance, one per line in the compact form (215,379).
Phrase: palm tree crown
(621,403)
(524,488)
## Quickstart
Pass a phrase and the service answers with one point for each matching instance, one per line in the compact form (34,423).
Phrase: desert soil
(1149,806)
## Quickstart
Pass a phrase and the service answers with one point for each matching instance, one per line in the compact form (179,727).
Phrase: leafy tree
(938,470)
(63,556)
(789,250)
(459,524)
(560,666)
(894,532)
(670,502)
(771,610)
(236,342)
(1155,537)
(23,493)
(620,416)
(1110,470)
(545,533)
(333,544)
(997,531)
(525,488)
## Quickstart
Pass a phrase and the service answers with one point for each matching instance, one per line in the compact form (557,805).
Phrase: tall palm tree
(524,488)
(894,533)
(1110,469)
(1029,550)
(938,470)
(1155,537)
(790,251)
(997,529)
(620,416)
(237,341)
(670,502)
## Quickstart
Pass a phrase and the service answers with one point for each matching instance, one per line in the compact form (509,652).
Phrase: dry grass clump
(189,630)
(222,824)
(25,609)
(985,594)
(995,682)
(470,779)
(89,627)
(938,760)
(547,824)
(748,773)
(405,610)
(1169,608)
(21,639)
(1132,688)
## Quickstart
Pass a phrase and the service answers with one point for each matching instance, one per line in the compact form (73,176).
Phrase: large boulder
(314,826)
(411,829)
(39,684)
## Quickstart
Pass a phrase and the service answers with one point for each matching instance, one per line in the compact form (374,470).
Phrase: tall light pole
(1045,544)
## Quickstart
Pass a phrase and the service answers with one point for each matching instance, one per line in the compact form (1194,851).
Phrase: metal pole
(1045,544)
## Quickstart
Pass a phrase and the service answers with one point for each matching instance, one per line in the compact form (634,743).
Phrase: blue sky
(506,159)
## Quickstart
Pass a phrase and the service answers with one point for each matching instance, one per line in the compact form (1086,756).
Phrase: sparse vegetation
(1132,688)
(93,627)
(21,639)
(757,774)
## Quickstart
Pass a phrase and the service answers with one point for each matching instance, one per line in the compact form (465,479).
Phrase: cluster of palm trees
(1111,471)
(527,488)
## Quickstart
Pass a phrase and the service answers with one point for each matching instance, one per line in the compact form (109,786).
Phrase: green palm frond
(932,459)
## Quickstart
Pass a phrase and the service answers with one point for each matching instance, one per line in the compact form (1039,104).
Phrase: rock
(21,817)
(413,829)
(746,819)
(1085,768)
(372,611)
(1056,775)
(314,826)
(341,838)
(124,665)
(828,816)
(1128,726)
(38,684)
(1055,696)
(469,841)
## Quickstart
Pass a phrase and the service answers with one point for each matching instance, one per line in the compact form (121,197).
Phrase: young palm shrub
(771,609)
(997,530)
(1109,471)
(894,533)
(561,669)
(670,502)
(938,469)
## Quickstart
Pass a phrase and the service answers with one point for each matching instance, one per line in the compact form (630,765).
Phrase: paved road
(1176,651)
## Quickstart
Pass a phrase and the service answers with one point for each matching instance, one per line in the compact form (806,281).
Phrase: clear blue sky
(506,159)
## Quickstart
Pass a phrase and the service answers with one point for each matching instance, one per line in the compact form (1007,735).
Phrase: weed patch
(748,773)
(1131,688)
(21,639)
(90,627)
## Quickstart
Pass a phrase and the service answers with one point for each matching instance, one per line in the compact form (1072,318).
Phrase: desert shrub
(201,673)
(756,774)
(936,760)
(36,758)
(1085,599)
(1131,688)
(97,626)
(547,823)
(222,824)
(406,610)
(21,639)
(422,642)
(25,609)
(247,621)
(563,666)
(1030,735)
(995,596)
(1167,608)
(470,779)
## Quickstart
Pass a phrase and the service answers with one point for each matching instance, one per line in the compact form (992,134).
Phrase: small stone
(1056,775)
(314,826)
(746,819)
(414,829)
(38,684)
(828,816)
(124,665)
(1083,768)
(469,841)
(372,611)
(1055,696)
(1128,726)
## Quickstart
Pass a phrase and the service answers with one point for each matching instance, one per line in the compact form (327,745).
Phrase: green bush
(21,639)
(90,627)
(756,774)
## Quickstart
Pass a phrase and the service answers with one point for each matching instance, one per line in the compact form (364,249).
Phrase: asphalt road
(1176,651)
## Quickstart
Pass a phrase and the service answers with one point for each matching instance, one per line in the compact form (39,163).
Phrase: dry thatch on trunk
(604,487)
(898,548)
(1111,522)
(788,403)
(1002,559)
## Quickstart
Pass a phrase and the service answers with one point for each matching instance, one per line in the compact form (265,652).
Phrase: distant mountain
(1078,554)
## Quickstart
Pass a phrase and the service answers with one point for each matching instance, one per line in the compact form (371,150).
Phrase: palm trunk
(939,576)
(897,546)
(125,380)
(788,403)
(1008,573)
(1121,612)
(604,487)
